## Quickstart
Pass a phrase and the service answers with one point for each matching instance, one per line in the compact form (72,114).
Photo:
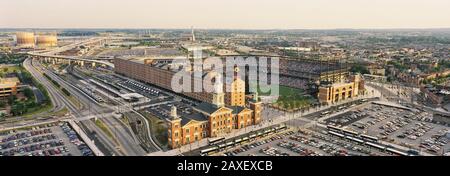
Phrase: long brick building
(160,73)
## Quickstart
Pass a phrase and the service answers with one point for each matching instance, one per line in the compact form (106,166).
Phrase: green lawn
(62,112)
(290,98)
(37,110)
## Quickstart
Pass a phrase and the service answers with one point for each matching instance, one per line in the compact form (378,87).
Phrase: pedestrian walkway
(85,138)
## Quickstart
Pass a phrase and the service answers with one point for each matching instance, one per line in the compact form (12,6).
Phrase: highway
(152,146)
(60,100)
(37,74)
(51,53)
(125,141)
(121,132)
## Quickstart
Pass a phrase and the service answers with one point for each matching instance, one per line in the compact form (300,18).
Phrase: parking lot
(303,143)
(162,111)
(404,127)
(346,118)
(53,139)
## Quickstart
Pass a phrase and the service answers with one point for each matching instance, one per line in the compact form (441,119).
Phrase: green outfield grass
(290,98)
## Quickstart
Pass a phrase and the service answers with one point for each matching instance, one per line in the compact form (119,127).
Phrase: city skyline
(267,14)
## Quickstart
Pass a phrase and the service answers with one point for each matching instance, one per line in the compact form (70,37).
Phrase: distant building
(438,95)
(8,86)
(410,78)
(30,40)
(188,37)
(25,39)
(193,34)
(377,71)
(436,74)
(309,44)
(46,41)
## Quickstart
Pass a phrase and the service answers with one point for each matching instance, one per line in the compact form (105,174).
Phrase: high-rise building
(193,34)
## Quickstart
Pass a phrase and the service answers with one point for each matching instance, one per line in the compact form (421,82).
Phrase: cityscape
(205,91)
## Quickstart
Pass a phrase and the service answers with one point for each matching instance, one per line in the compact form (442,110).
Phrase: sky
(225,14)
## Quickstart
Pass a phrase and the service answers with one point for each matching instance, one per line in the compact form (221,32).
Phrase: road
(61,101)
(152,146)
(409,97)
(127,144)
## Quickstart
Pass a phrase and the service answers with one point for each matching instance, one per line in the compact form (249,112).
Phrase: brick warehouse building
(159,73)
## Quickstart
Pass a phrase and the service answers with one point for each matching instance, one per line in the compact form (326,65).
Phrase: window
(187,130)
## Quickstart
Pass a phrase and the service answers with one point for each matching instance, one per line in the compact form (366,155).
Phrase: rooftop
(9,82)
(207,107)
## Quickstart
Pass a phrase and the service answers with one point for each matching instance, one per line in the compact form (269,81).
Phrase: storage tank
(25,39)
(46,40)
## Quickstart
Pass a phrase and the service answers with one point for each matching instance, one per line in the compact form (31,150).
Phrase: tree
(18,109)
(11,99)
(65,91)
(292,104)
(359,69)
(28,93)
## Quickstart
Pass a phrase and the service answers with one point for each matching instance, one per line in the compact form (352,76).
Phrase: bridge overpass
(69,59)
(50,55)
(90,41)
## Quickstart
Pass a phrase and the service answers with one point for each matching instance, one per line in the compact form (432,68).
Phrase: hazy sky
(243,14)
